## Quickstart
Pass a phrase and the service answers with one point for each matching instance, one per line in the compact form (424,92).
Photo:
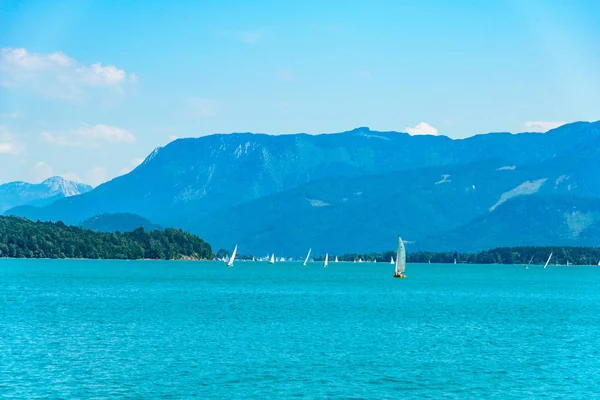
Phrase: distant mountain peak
(58,184)
(152,155)
(15,194)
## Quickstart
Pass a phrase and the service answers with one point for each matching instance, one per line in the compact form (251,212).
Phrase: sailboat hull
(401,276)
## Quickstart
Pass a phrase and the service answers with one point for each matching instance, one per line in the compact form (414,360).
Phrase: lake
(146,329)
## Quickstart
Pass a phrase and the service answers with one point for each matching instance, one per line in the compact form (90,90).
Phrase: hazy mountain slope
(528,221)
(352,214)
(362,213)
(15,194)
(124,222)
(191,177)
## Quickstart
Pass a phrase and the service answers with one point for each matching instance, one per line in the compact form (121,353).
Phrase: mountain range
(15,194)
(354,191)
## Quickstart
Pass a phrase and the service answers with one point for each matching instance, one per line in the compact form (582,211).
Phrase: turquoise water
(106,329)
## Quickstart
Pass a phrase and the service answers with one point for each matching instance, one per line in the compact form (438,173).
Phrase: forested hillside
(21,238)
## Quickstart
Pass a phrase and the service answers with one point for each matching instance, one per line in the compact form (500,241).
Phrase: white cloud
(42,171)
(286,75)
(106,133)
(422,128)
(8,144)
(72,176)
(65,141)
(251,37)
(89,136)
(56,75)
(543,126)
(13,115)
(363,74)
(132,165)
(199,107)
(97,176)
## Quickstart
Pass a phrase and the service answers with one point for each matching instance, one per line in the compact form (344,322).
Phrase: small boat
(360,260)
(230,263)
(307,257)
(568,263)
(326,260)
(547,262)
(455,261)
(392,260)
(529,263)
(336,260)
(400,260)
(272,260)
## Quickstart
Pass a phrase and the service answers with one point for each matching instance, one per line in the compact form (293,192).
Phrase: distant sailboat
(336,260)
(529,263)
(547,262)
(400,260)
(455,261)
(326,260)
(392,260)
(307,257)
(230,263)
(272,260)
(360,260)
(599,263)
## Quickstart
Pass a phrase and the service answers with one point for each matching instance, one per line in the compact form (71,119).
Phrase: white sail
(599,263)
(307,257)
(392,260)
(547,262)
(400,257)
(336,260)
(529,263)
(272,260)
(230,263)
(326,260)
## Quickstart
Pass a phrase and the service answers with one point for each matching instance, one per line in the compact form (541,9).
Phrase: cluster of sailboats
(400,261)
(568,264)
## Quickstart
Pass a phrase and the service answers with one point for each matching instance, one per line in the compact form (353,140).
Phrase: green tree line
(22,238)
(502,255)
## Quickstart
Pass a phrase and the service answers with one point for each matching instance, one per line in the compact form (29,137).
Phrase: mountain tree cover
(501,255)
(22,238)
(123,222)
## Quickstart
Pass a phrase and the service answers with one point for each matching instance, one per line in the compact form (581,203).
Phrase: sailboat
(400,260)
(392,260)
(307,257)
(272,260)
(230,263)
(336,260)
(455,261)
(547,262)
(599,263)
(529,263)
(360,260)
(326,260)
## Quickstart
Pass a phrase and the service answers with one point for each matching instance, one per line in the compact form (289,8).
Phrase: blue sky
(89,88)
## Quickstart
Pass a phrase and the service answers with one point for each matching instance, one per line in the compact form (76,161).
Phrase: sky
(89,88)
